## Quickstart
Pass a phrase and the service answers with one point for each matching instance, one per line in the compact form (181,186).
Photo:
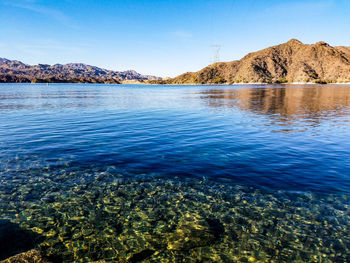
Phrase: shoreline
(184,84)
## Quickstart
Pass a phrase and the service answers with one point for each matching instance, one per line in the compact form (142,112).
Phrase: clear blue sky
(162,37)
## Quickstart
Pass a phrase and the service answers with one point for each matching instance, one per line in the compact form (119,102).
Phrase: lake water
(132,173)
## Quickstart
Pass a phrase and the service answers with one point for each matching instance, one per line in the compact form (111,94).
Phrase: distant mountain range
(292,61)
(16,71)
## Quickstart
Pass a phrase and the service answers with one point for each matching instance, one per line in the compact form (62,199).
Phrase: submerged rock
(140,256)
(166,220)
(194,231)
(31,256)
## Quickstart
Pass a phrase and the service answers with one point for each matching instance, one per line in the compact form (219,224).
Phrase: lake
(130,173)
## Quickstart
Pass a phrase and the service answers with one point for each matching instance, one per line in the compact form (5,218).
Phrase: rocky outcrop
(16,71)
(292,61)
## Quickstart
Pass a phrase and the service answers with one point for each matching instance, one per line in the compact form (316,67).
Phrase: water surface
(179,173)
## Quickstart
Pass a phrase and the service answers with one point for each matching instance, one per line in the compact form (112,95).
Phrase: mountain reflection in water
(285,103)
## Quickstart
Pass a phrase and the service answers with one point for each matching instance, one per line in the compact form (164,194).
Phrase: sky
(162,37)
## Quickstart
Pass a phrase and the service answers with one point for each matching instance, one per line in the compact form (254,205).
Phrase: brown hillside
(16,71)
(292,61)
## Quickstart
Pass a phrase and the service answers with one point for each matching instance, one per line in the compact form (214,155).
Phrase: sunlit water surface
(132,173)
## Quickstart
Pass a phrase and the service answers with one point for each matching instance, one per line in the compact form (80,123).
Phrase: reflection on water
(176,174)
(286,102)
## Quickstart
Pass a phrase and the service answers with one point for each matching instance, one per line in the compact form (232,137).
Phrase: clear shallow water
(179,173)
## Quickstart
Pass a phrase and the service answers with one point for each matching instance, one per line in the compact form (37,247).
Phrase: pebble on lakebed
(154,219)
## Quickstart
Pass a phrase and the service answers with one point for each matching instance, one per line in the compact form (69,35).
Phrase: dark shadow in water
(14,240)
(141,256)
(216,227)
(284,103)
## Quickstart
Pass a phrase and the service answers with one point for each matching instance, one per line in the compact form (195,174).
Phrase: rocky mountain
(16,71)
(292,61)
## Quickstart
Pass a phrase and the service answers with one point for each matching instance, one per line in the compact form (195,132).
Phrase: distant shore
(185,84)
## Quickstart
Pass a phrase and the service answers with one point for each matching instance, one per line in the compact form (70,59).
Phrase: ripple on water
(179,174)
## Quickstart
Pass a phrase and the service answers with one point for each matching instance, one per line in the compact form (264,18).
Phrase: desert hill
(292,61)
(16,71)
